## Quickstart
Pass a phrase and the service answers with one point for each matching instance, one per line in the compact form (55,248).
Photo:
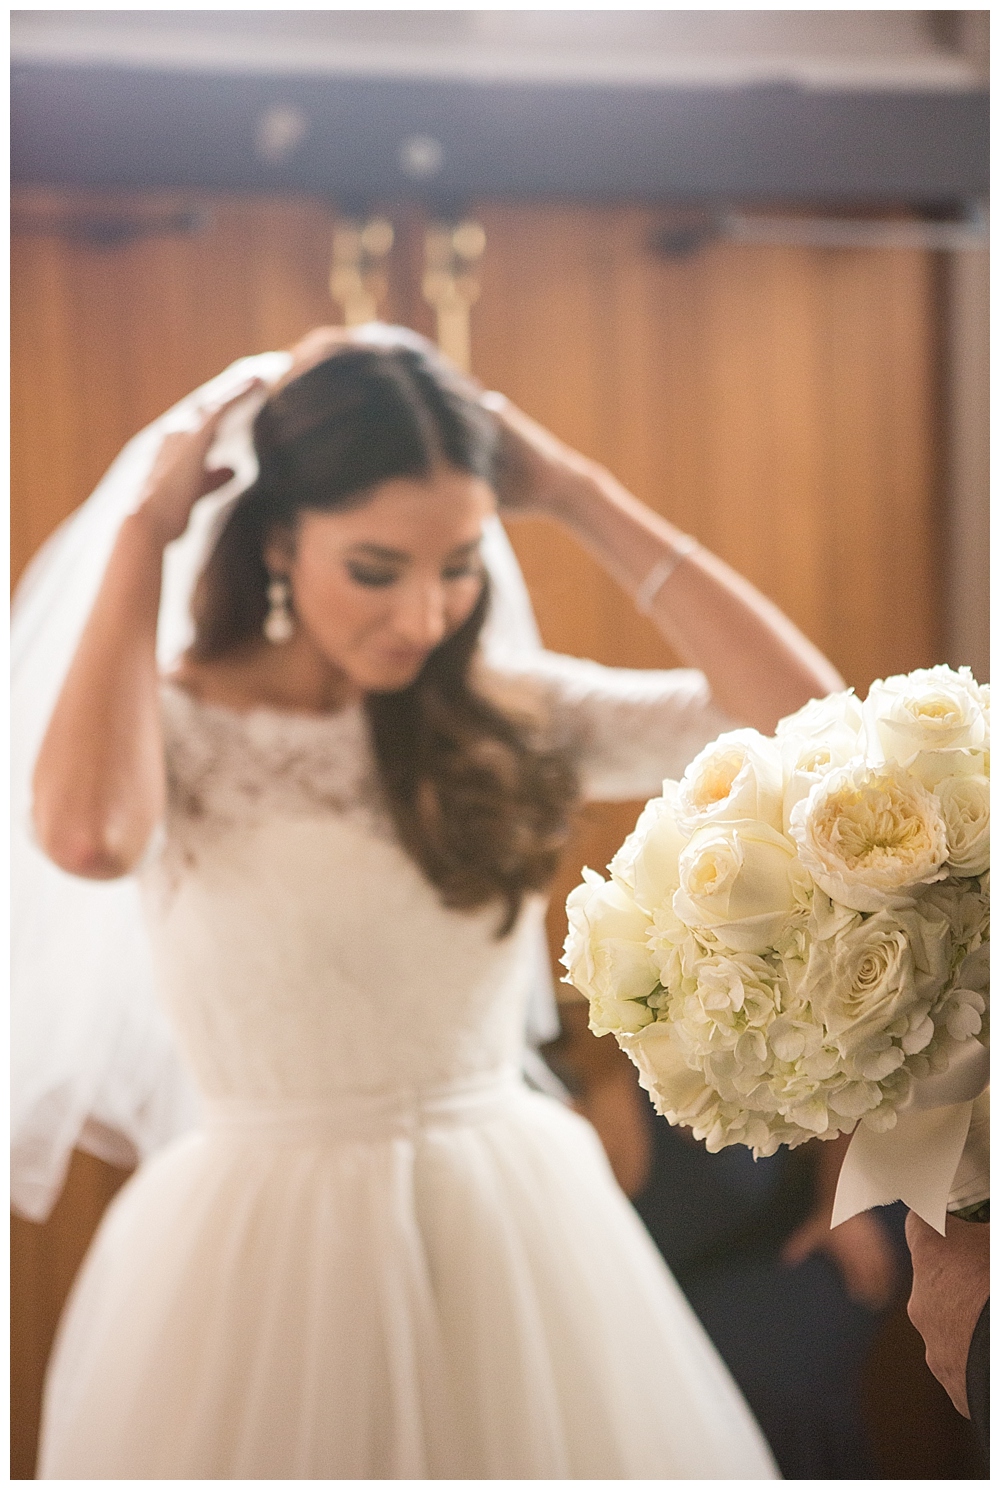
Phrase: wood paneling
(105,338)
(775,402)
(44,1262)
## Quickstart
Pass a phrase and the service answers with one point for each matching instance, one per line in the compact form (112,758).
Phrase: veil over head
(94,1064)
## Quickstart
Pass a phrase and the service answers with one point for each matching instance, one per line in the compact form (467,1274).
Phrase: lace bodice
(299,950)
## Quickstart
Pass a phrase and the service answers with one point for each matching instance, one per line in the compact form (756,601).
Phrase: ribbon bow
(918,1161)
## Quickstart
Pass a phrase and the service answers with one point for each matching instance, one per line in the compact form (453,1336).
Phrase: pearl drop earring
(279,627)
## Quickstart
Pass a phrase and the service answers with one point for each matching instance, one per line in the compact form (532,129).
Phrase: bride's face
(377,587)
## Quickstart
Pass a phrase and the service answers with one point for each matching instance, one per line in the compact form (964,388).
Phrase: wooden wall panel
(104,339)
(44,1262)
(776,402)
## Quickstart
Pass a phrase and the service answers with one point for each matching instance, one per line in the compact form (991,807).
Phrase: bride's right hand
(179,477)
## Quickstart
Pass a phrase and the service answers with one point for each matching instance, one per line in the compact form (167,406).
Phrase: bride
(378,1255)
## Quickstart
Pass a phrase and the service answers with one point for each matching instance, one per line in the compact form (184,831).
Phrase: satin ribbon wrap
(924,1160)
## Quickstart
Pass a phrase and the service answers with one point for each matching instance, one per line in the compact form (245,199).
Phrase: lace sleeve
(628,728)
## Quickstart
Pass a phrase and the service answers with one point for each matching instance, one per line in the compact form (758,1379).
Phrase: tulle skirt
(470,1299)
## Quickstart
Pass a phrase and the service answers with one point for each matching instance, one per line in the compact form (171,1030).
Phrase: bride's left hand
(537,473)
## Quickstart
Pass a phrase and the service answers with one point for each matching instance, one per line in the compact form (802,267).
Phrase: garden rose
(867,834)
(827,732)
(737,777)
(736,882)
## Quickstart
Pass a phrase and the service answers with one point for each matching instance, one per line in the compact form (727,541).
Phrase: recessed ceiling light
(420,157)
(280,131)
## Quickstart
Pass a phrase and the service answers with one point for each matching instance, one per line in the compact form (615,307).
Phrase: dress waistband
(361,1116)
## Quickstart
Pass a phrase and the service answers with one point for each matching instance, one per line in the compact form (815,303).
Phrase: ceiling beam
(365,139)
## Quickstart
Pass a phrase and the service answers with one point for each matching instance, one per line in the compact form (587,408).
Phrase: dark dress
(977,1379)
(793,1340)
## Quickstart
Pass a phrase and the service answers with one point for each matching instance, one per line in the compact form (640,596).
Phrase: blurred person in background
(791,1306)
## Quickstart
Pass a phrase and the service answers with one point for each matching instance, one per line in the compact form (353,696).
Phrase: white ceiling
(896,49)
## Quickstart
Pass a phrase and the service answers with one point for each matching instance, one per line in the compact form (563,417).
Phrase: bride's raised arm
(99,782)
(759,665)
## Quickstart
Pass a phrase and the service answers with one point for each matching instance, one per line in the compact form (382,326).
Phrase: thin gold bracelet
(661,572)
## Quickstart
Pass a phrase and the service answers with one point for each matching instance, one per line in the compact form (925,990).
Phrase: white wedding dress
(381,1256)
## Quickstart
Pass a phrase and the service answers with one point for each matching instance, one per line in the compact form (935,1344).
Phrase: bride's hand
(536,474)
(179,477)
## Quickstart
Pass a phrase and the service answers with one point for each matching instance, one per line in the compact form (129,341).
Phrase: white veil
(93,1060)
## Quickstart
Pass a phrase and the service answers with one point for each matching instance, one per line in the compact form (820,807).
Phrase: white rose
(736,881)
(646,863)
(931,938)
(737,777)
(934,708)
(867,834)
(931,767)
(679,1091)
(965,806)
(863,981)
(606,956)
(826,733)
(836,719)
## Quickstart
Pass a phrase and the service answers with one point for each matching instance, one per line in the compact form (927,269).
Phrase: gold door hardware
(358,274)
(451,285)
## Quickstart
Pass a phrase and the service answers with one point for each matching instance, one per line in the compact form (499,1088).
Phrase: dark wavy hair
(480,806)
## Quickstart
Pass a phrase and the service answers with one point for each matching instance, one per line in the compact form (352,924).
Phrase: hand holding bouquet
(794,939)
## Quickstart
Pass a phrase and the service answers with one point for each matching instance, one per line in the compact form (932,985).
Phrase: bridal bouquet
(794,939)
